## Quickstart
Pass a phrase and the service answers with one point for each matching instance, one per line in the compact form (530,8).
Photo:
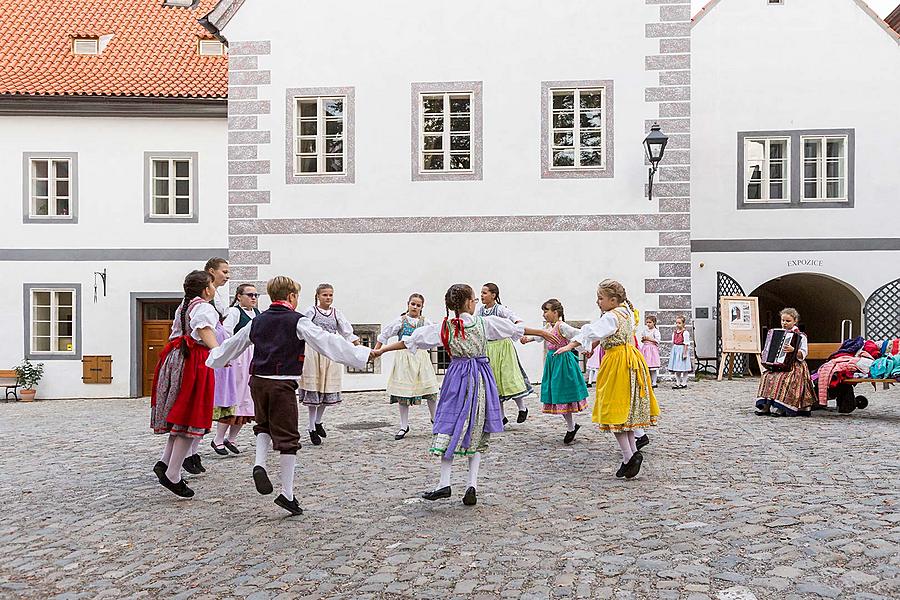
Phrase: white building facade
(795,148)
(494,142)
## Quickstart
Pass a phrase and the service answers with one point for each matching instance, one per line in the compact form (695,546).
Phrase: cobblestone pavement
(727,506)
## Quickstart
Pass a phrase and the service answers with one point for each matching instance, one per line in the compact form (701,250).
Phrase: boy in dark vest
(279,336)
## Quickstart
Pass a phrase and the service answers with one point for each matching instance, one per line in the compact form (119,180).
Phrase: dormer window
(211,48)
(86,46)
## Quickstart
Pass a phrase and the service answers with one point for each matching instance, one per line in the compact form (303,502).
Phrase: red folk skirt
(183,390)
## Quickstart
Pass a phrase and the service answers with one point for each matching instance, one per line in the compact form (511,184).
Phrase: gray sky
(882,7)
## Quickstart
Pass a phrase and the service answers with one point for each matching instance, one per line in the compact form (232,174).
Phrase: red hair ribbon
(459,329)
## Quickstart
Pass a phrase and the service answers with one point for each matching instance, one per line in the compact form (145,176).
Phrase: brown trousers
(275,406)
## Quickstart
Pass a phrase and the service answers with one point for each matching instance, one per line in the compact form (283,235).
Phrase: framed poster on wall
(739,316)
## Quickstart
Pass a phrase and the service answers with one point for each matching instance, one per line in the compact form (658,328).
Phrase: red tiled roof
(153,51)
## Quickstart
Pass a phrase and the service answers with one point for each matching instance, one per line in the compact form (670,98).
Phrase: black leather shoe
(261,480)
(763,413)
(570,435)
(401,434)
(505,421)
(198,464)
(642,441)
(190,466)
(231,447)
(159,469)
(469,499)
(444,492)
(179,489)
(621,472)
(289,505)
(321,431)
(220,450)
(633,467)
(315,439)
(523,414)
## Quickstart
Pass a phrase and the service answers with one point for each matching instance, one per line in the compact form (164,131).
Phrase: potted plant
(28,376)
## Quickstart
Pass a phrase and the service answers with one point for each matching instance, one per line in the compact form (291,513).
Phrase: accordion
(774,355)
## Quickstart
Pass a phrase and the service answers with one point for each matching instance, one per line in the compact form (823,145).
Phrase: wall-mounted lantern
(655,147)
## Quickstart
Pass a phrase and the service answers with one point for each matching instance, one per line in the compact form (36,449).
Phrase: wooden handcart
(845,394)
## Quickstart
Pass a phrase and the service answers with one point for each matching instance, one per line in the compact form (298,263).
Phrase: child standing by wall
(650,339)
(625,398)
(563,391)
(240,406)
(279,337)
(322,377)
(788,393)
(512,381)
(412,378)
(182,400)
(469,408)
(680,360)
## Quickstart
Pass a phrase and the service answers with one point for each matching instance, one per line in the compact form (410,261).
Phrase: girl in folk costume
(680,360)
(788,393)
(239,411)
(182,400)
(563,390)
(625,398)
(650,339)
(469,408)
(412,378)
(321,383)
(512,381)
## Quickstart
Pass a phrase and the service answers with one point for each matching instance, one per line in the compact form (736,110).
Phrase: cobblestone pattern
(728,505)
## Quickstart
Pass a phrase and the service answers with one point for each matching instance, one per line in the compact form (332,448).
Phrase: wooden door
(156,326)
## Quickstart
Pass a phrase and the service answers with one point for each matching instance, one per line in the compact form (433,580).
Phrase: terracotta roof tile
(153,51)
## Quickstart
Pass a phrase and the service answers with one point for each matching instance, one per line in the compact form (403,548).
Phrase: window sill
(577,173)
(37,219)
(180,219)
(319,178)
(52,356)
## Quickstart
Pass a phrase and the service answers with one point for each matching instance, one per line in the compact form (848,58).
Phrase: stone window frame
(194,217)
(795,169)
(608,170)
(476,88)
(349,174)
(370,331)
(27,309)
(72,217)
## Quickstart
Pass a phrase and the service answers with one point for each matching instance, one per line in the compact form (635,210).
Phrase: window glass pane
(308,165)
(835,148)
(39,168)
(460,142)
(308,145)
(433,142)
(64,298)
(62,188)
(41,313)
(563,158)
(40,344)
(65,344)
(590,138)
(834,189)
(308,128)
(41,206)
(42,328)
(182,206)
(182,187)
(810,189)
(62,206)
(563,138)
(811,148)
(776,191)
(333,127)
(161,187)
(161,168)
(41,187)
(161,206)
(563,100)
(434,124)
(307,108)
(778,149)
(433,104)
(754,191)
(41,298)
(64,328)
(591,100)
(334,165)
(334,146)
(591,119)
(62,169)
(811,169)
(834,168)
(333,108)
(591,159)
(182,168)
(564,120)
(754,150)
(776,170)
(460,104)
(459,124)
(460,162)
(434,162)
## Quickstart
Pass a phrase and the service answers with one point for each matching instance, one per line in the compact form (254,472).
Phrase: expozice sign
(805,262)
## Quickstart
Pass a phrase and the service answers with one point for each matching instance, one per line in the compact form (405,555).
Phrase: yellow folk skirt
(625,398)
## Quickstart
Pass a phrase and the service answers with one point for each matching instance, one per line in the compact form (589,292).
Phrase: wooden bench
(822,351)
(11,386)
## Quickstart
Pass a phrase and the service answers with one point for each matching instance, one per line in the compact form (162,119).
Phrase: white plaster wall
(528,268)
(111,181)
(106,324)
(807,64)
(381,48)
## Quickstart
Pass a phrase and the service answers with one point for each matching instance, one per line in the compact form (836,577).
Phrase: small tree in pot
(28,375)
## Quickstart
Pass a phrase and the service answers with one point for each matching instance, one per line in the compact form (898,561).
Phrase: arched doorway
(824,304)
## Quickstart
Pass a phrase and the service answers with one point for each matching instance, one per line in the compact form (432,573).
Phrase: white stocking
(221,430)
(288,462)
(474,463)
(263,443)
(180,450)
(631,441)
(233,432)
(167,451)
(320,413)
(446,466)
(194,446)
(404,415)
(570,421)
(520,402)
(312,418)
(653,375)
(432,406)
(624,446)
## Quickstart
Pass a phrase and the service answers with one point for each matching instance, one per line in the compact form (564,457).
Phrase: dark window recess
(368,337)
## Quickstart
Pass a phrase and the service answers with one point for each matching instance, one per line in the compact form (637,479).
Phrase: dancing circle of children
(412,377)
(680,359)
(650,339)
(625,397)
(512,381)
(237,408)
(322,377)
(468,411)
(563,389)
(279,337)
(788,393)
(181,402)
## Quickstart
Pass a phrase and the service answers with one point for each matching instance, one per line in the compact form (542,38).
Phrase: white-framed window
(319,144)
(86,46)
(577,129)
(767,169)
(210,48)
(171,187)
(368,337)
(445,132)
(824,168)
(51,187)
(53,321)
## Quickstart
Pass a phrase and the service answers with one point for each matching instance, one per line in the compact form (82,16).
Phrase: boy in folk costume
(279,336)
